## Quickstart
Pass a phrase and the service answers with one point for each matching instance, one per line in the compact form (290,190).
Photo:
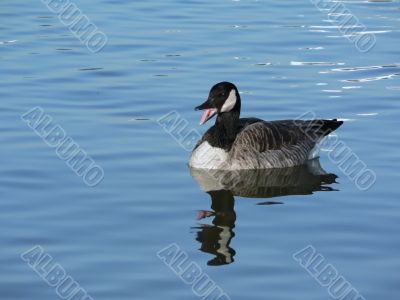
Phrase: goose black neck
(227,127)
(227,124)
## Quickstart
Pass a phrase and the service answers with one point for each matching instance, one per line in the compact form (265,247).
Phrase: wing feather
(277,135)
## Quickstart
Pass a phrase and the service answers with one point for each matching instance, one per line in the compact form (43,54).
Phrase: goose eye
(222,94)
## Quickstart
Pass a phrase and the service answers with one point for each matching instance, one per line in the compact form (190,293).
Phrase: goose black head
(223,98)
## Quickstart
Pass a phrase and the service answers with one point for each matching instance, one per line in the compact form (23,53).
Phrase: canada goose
(235,143)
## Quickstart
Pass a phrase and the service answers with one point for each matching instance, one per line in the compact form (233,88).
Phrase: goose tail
(329,126)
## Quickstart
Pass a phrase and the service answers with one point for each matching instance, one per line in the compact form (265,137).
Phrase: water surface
(286,57)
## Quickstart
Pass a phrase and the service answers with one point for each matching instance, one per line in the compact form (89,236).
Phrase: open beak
(209,111)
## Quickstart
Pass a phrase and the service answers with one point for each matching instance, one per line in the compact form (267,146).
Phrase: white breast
(207,157)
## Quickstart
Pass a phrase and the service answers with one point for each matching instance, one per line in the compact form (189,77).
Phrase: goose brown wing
(262,136)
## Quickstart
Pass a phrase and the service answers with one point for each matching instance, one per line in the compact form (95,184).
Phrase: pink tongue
(207,113)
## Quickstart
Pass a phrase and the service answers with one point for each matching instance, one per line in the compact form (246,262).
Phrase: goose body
(235,143)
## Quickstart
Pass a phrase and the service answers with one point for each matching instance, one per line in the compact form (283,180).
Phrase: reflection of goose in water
(300,180)
(223,185)
(215,239)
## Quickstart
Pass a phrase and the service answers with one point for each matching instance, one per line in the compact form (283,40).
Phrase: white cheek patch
(230,102)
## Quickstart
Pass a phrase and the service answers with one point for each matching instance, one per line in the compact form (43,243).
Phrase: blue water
(286,57)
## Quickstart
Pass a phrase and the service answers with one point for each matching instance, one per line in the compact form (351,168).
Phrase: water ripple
(353,69)
(367,79)
(315,63)
(7,42)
